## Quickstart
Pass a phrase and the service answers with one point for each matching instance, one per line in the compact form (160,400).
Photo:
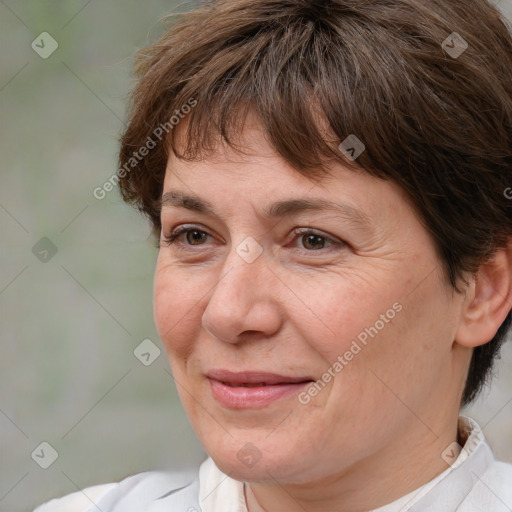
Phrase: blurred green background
(70,321)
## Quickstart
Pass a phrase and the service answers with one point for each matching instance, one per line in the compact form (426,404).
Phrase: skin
(377,430)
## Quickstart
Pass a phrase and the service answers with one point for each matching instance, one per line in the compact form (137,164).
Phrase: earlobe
(488,300)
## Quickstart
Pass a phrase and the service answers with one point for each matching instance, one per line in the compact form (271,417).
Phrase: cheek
(177,310)
(408,335)
(392,329)
(335,309)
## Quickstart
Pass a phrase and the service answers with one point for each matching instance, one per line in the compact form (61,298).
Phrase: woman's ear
(488,300)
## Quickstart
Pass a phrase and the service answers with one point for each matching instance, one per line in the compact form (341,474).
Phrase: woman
(328,184)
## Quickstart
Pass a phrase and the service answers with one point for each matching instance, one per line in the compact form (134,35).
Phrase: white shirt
(475,482)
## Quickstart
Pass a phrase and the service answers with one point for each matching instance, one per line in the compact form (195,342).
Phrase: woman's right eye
(193,237)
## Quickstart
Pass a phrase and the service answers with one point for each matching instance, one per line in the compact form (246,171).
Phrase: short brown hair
(436,123)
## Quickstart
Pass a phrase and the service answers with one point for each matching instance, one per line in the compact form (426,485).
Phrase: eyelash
(172,238)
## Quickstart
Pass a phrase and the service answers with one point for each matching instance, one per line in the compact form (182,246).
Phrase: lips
(252,390)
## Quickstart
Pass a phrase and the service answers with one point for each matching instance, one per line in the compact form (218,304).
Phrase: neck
(400,468)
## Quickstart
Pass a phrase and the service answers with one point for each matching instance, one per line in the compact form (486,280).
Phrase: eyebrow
(279,209)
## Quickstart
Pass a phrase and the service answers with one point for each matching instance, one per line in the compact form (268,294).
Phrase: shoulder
(140,489)
(491,491)
(499,476)
(79,501)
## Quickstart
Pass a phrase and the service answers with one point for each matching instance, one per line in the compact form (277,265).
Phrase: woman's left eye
(311,241)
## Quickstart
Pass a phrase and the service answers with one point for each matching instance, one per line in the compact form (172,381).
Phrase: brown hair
(436,123)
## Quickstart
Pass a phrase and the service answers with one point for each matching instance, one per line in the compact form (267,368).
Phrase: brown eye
(195,237)
(185,237)
(313,242)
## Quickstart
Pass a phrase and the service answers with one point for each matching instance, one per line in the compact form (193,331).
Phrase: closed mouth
(259,384)
(254,379)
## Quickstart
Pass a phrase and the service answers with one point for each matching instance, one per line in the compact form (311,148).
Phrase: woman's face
(254,308)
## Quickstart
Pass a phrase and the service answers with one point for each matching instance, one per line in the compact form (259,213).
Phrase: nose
(243,302)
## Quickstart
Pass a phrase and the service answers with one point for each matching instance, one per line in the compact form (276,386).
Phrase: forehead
(258,176)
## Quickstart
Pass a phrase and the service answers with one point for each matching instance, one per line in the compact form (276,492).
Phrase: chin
(245,462)
(259,472)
